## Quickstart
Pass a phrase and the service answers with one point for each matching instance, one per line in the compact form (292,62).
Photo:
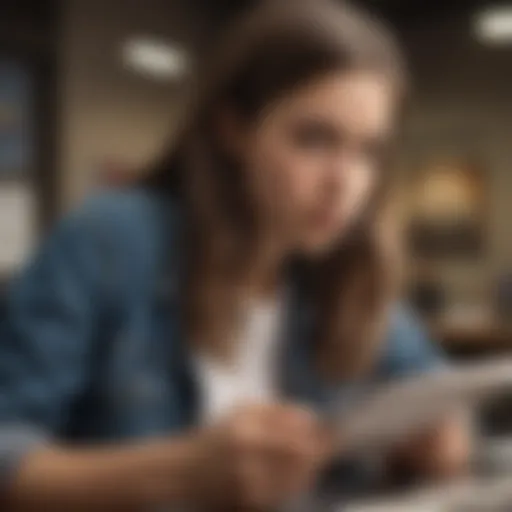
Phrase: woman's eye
(314,137)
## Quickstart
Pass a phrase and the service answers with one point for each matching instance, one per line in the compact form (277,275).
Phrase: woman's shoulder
(132,217)
(128,208)
(124,235)
(408,346)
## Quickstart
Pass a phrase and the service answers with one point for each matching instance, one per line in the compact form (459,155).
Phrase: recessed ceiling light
(155,59)
(494,25)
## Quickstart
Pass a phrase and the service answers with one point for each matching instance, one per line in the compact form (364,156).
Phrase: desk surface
(492,336)
(489,493)
(477,494)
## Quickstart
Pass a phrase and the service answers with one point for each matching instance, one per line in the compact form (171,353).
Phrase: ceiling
(32,15)
(399,12)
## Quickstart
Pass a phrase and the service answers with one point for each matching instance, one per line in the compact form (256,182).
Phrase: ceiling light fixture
(493,25)
(155,59)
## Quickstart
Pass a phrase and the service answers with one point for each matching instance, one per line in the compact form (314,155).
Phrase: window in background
(17,202)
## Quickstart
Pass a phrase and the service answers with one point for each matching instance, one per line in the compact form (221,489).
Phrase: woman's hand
(441,452)
(260,456)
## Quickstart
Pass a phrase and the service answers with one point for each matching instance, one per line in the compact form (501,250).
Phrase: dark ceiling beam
(396,11)
(422,11)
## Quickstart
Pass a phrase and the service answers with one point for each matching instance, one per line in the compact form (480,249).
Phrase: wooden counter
(486,338)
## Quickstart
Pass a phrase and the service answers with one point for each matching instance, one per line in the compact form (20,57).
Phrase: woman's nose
(339,172)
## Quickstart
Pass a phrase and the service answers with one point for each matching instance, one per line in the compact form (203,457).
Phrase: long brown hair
(275,48)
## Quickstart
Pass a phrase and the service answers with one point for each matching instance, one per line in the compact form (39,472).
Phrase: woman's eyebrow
(319,123)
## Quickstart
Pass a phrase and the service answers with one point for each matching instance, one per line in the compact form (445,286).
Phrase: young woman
(178,343)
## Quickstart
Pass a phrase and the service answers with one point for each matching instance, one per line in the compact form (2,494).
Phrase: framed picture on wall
(448,211)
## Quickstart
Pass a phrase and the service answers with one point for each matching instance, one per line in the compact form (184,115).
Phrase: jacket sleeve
(50,314)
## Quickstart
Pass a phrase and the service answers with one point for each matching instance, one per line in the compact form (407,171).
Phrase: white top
(250,376)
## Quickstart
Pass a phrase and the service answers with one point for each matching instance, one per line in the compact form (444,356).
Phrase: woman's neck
(263,285)
(265,275)
(265,278)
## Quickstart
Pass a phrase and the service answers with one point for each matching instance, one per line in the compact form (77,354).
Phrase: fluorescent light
(155,59)
(494,25)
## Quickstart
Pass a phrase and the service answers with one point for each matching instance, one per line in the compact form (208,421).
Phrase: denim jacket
(90,342)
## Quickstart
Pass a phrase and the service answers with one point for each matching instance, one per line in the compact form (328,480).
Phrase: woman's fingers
(276,451)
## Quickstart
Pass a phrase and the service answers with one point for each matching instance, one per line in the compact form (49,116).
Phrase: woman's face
(313,157)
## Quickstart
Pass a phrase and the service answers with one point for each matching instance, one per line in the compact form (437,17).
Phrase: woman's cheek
(306,178)
(359,190)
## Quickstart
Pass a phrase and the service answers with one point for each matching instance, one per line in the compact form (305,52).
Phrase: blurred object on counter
(474,340)
(472,328)
(428,298)
(469,316)
(448,211)
(426,291)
